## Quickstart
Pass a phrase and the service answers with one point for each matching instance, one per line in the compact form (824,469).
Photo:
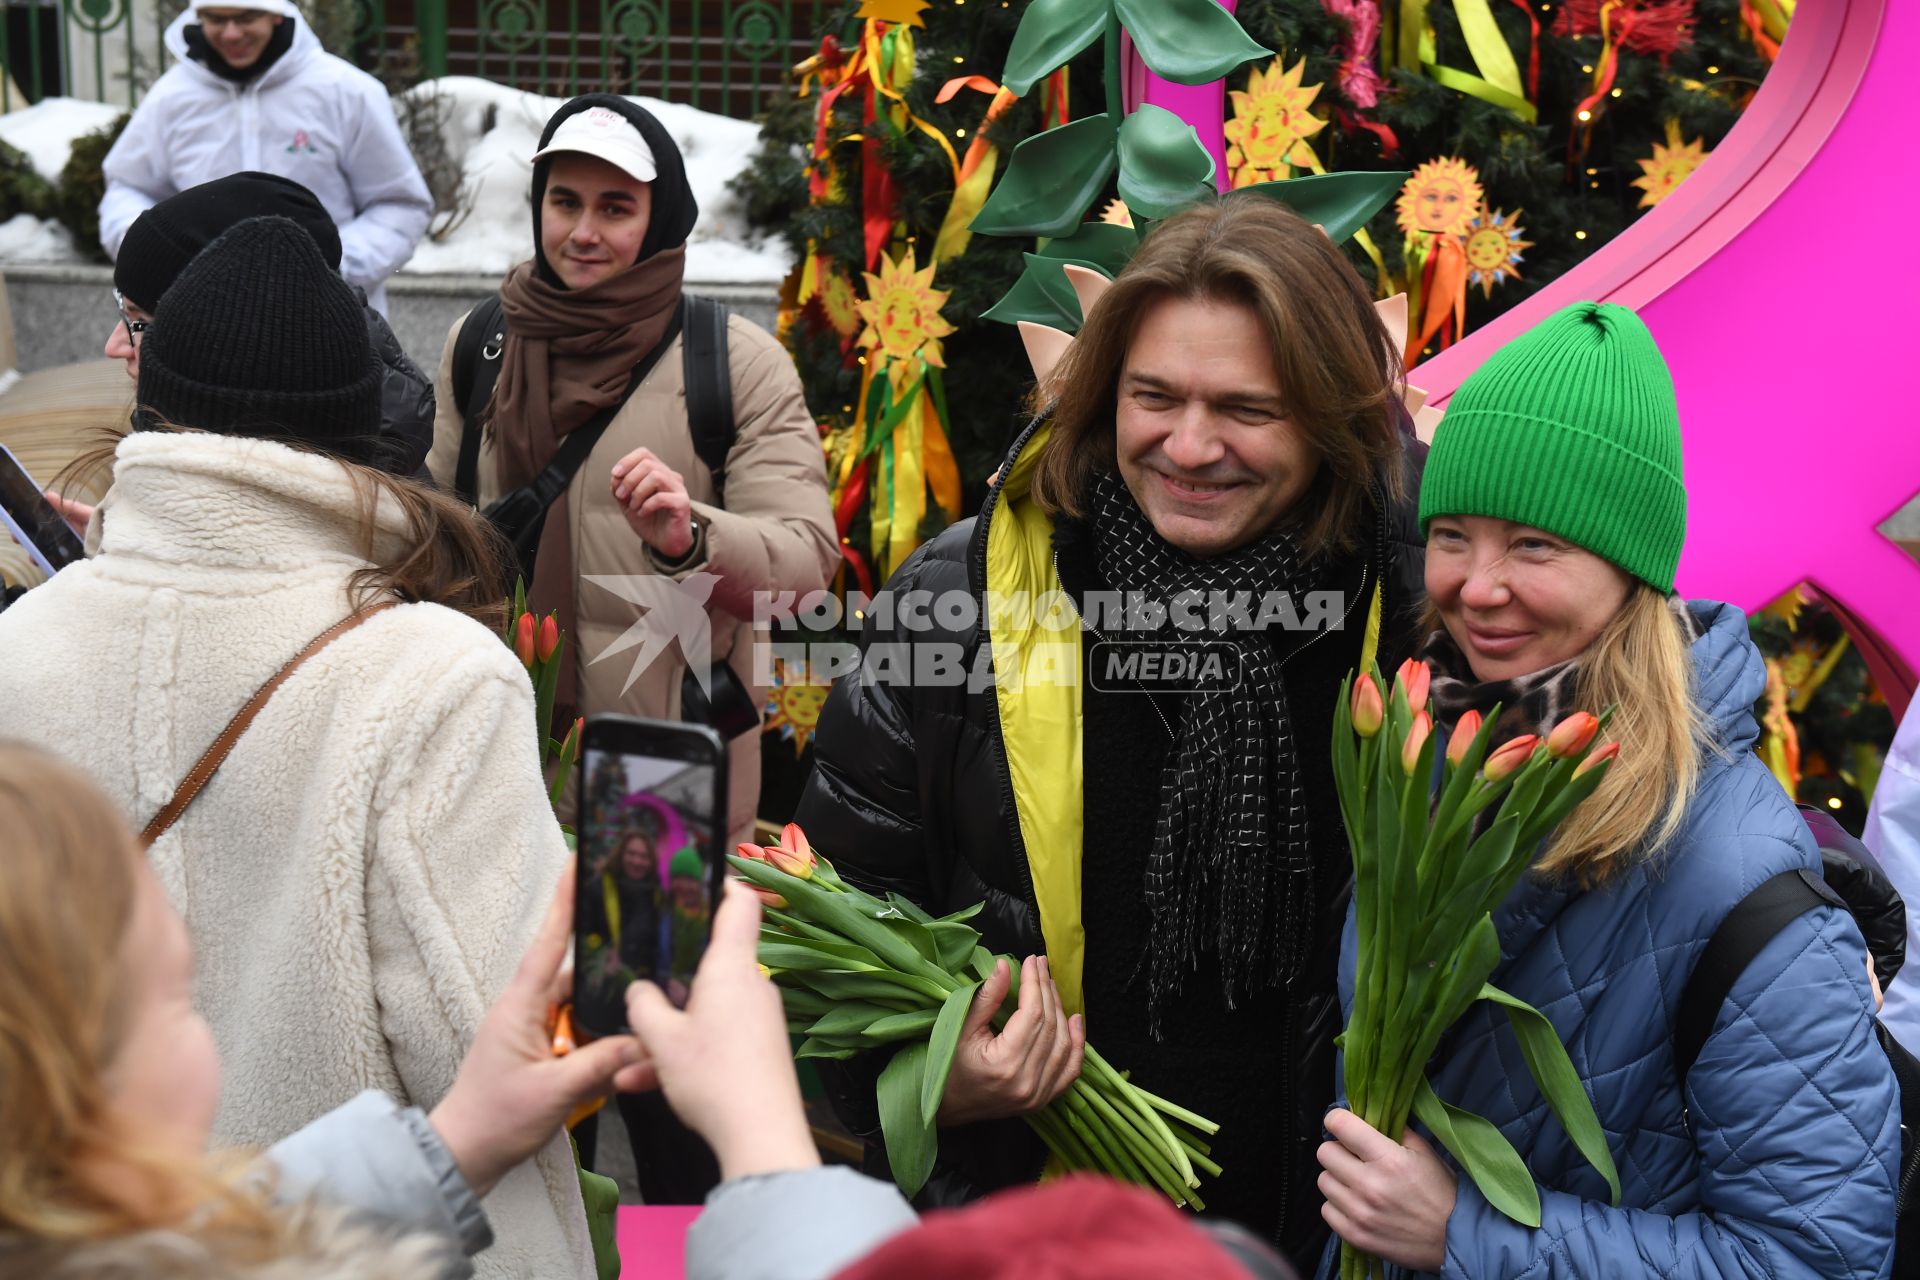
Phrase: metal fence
(719,55)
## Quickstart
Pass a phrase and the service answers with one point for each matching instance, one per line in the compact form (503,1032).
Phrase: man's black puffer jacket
(910,793)
(406,400)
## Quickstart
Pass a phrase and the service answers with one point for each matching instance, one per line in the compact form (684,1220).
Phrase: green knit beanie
(1571,428)
(686,863)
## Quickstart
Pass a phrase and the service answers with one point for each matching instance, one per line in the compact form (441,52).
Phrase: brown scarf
(569,354)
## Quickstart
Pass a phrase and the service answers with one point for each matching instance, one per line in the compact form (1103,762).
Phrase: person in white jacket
(369,863)
(253,89)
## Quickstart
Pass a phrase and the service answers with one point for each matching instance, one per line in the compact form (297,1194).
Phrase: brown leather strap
(204,768)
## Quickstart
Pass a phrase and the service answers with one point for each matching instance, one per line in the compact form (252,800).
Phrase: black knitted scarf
(1230,873)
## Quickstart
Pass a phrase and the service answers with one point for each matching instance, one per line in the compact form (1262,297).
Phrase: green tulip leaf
(1051,32)
(983,963)
(902,1026)
(966,913)
(910,1140)
(1559,1083)
(1050,181)
(955,943)
(908,908)
(1340,202)
(940,1046)
(1484,1152)
(1187,41)
(811,1048)
(849,1020)
(801,957)
(862,986)
(1163,167)
(1028,300)
(1105,246)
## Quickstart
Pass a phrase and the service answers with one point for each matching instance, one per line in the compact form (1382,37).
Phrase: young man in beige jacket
(612,210)
(644,518)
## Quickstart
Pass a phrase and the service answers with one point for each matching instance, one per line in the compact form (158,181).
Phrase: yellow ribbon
(909,481)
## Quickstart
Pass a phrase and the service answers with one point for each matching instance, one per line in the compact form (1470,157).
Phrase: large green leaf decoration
(1163,167)
(1050,32)
(910,1140)
(1484,1152)
(1104,246)
(1027,300)
(1340,202)
(1553,1071)
(1050,180)
(1186,41)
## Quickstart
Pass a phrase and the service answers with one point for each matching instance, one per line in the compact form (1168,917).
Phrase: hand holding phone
(652,797)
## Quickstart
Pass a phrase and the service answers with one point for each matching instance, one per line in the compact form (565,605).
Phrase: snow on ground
(25,238)
(493,131)
(46,131)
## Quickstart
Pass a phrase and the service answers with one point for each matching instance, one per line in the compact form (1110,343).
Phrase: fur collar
(230,502)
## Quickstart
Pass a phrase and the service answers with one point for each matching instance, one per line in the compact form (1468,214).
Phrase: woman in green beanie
(1555,510)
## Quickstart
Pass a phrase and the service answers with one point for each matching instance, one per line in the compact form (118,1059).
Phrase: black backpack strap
(476,367)
(708,371)
(520,515)
(1748,928)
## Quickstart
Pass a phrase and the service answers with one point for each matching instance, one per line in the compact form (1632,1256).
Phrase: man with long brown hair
(1219,484)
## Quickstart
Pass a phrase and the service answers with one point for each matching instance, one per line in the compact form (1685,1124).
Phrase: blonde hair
(1639,666)
(66,901)
(1335,364)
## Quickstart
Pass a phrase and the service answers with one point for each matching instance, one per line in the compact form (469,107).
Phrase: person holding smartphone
(368,863)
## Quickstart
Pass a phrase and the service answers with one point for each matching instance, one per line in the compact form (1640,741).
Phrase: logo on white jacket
(671,613)
(301,143)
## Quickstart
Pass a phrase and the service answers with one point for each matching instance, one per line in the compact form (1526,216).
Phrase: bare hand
(1390,1199)
(77,514)
(1031,1062)
(653,497)
(725,1063)
(512,1094)
(1873,985)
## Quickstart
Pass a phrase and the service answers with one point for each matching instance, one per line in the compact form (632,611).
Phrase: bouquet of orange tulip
(541,648)
(859,973)
(1427,877)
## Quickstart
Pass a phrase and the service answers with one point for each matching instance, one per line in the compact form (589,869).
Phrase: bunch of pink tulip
(1432,859)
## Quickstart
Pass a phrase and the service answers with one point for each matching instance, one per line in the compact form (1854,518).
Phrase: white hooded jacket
(310,117)
(364,872)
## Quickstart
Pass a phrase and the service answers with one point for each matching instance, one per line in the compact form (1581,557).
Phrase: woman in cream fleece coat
(364,871)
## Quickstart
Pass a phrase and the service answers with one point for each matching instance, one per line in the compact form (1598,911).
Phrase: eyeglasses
(134,327)
(243,18)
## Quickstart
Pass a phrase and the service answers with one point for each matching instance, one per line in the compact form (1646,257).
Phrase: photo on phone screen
(32,521)
(650,834)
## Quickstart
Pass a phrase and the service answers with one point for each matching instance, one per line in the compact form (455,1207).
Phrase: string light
(959,133)
(1578,235)
(1617,92)
(1588,70)
(1585,116)
(1833,802)
(1591,172)
(1594,185)
(1713,71)
(957,58)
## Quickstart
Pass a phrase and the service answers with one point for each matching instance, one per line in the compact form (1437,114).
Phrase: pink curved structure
(1786,334)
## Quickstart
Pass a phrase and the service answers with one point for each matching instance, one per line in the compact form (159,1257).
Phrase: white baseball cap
(606,135)
(282,8)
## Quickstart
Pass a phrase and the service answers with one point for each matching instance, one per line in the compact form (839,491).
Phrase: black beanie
(259,337)
(165,238)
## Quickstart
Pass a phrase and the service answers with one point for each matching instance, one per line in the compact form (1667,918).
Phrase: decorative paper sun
(1668,167)
(793,703)
(839,303)
(904,328)
(1117,213)
(1494,249)
(905,12)
(1267,137)
(1441,198)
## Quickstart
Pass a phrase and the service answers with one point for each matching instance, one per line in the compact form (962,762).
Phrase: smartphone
(650,834)
(32,521)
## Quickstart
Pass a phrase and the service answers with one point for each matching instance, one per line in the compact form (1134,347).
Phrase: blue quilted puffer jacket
(1786,1168)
